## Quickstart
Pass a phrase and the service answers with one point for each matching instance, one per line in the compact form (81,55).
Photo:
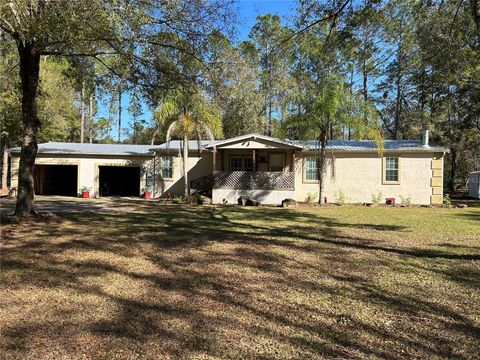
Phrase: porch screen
(276,162)
(241,163)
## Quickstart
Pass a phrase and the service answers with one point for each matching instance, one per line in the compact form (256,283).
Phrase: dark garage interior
(119,181)
(56,180)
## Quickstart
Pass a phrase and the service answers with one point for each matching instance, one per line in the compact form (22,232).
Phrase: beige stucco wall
(88,171)
(360,175)
(196,168)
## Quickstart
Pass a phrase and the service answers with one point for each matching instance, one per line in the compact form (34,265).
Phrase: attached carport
(56,180)
(119,180)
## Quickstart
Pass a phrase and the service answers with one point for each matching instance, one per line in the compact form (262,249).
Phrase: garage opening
(56,180)
(119,181)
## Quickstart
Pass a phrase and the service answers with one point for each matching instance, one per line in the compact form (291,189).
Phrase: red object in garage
(147,194)
(85,194)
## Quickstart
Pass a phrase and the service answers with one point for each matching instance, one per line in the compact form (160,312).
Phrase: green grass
(194,282)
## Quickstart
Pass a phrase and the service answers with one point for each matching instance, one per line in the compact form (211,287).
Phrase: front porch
(267,187)
(255,166)
(254,160)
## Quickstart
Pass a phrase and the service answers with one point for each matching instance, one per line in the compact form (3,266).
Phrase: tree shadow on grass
(471,215)
(185,281)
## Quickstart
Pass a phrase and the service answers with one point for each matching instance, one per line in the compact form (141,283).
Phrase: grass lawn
(180,282)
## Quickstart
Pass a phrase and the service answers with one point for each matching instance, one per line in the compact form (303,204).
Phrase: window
(247,164)
(311,168)
(166,165)
(241,163)
(391,170)
(276,162)
(236,164)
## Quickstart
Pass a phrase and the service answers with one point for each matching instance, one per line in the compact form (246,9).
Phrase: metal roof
(175,145)
(370,145)
(312,145)
(91,149)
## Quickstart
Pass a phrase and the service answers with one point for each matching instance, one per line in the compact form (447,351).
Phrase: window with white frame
(311,168)
(391,169)
(166,167)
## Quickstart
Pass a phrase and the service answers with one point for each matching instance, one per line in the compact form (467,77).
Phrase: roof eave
(429,150)
(89,154)
(253,137)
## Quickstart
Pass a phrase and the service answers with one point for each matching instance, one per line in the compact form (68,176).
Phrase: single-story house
(264,168)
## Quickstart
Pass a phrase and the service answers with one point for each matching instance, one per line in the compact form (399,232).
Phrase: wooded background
(409,64)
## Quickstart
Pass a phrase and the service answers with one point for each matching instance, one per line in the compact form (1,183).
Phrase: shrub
(376,199)
(179,199)
(84,189)
(311,197)
(196,197)
(447,201)
(190,199)
(339,196)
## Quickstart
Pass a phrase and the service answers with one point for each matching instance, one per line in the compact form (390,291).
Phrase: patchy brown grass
(179,282)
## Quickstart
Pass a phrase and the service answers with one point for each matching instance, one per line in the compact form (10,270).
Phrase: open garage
(56,180)
(119,180)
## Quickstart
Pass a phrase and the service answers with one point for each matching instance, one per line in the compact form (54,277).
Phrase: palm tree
(188,116)
(331,106)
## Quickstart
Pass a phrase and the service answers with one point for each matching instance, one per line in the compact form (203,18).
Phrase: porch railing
(253,180)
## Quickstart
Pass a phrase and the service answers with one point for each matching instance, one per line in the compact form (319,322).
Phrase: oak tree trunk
(29,75)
